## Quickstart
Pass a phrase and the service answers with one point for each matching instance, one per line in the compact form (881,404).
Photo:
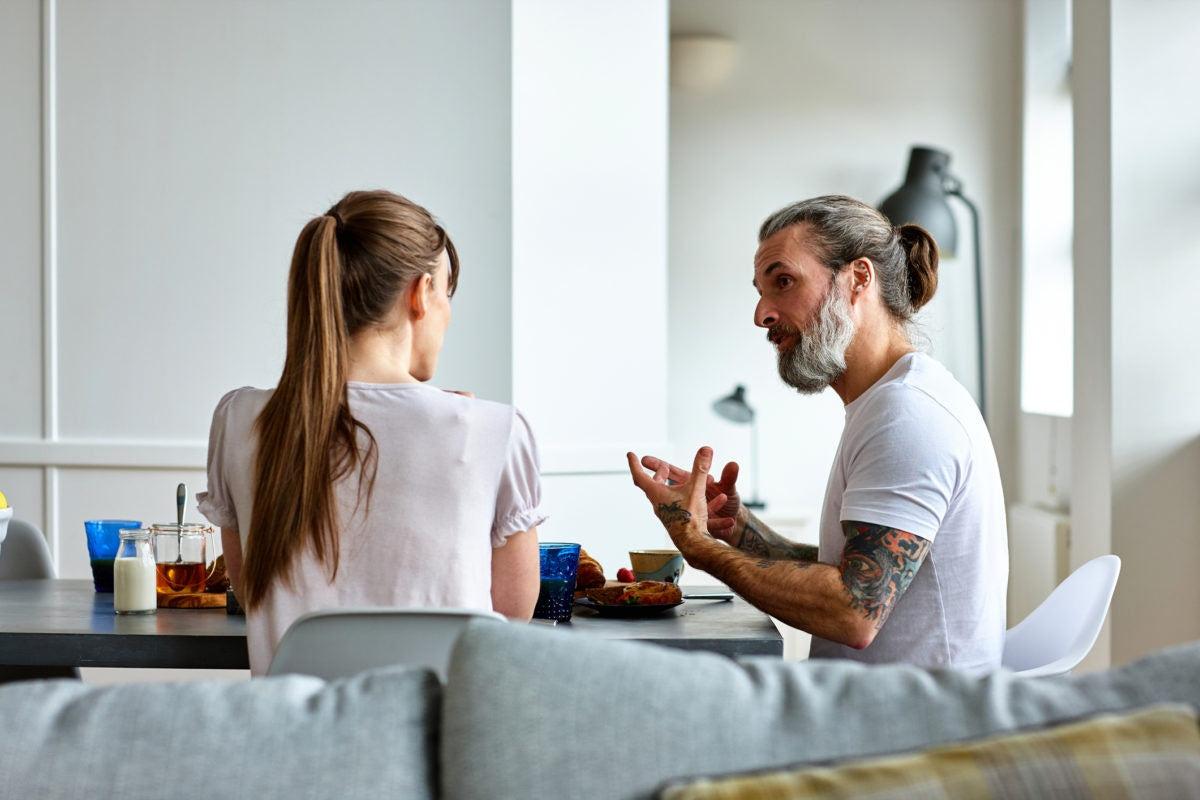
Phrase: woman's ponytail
(304,421)
(348,269)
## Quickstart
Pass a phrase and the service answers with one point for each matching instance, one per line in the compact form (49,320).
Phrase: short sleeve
(519,495)
(216,504)
(904,472)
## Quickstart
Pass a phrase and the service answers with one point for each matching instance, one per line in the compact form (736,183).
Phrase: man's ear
(862,275)
(418,296)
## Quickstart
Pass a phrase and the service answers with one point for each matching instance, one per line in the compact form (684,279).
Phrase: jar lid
(135,533)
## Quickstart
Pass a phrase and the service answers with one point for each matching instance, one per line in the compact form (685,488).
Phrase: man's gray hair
(843,229)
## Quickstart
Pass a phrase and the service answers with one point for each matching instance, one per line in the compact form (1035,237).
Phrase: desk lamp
(921,199)
(734,408)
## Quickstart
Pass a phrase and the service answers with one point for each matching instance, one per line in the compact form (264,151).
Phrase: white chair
(336,643)
(25,553)
(1057,634)
(26,556)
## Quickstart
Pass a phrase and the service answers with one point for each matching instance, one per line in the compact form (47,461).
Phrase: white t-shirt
(916,455)
(456,476)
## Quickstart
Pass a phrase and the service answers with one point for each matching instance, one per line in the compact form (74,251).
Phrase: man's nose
(764,316)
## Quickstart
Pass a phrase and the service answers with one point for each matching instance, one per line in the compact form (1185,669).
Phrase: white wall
(827,98)
(589,264)
(1137,425)
(184,145)
(187,144)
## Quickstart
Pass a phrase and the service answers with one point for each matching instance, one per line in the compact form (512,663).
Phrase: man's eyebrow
(774,265)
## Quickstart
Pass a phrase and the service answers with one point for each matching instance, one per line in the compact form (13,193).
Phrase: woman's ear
(418,296)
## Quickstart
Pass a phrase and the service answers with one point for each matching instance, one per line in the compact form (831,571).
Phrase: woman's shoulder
(240,403)
(503,415)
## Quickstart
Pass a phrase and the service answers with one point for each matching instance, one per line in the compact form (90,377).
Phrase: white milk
(133,586)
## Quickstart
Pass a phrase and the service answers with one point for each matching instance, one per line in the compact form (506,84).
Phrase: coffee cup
(656,565)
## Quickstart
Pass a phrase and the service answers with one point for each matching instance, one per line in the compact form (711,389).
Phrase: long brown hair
(348,269)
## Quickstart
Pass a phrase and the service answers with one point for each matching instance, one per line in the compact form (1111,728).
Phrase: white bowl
(5,516)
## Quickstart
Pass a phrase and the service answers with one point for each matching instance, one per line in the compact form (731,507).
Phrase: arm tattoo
(751,541)
(878,564)
(763,541)
(670,514)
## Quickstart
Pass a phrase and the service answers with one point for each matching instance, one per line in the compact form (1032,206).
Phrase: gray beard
(819,357)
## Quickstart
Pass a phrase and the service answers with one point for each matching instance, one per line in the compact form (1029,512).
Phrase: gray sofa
(526,712)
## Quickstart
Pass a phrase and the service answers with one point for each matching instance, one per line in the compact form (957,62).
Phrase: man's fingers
(721,523)
(700,467)
(640,478)
(674,473)
(721,527)
(729,474)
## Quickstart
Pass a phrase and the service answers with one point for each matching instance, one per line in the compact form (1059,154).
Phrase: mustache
(776,333)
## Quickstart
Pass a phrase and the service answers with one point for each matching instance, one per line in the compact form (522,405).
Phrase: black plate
(626,610)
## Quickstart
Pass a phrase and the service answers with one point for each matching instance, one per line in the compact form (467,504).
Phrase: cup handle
(212,565)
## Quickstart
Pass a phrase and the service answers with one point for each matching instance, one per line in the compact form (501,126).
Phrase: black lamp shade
(922,198)
(734,407)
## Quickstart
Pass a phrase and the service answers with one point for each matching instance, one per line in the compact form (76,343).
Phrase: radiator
(1039,541)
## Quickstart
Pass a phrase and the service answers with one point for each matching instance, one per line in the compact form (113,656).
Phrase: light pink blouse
(456,477)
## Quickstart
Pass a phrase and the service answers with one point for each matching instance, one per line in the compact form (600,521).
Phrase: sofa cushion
(1148,753)
(568,705)
(293,736)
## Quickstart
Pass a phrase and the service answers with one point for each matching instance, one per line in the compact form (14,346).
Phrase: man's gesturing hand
(681,507)
(722,496)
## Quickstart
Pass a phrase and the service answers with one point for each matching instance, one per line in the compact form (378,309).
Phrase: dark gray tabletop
(66,623)
(729,627)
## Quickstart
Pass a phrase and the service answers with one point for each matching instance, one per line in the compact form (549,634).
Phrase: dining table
(66,623)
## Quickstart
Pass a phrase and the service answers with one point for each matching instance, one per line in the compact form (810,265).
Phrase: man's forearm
(756,538)
(802,594)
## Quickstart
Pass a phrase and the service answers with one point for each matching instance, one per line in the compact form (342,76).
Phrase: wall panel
(191,155)
(20,219)
(195,140)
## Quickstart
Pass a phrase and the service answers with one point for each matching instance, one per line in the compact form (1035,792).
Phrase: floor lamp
(922,200)
(734,408)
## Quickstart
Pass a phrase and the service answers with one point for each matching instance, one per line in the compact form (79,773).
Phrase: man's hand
(723,504)
(679,504)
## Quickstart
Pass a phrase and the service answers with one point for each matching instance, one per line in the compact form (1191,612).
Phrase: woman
(353,482)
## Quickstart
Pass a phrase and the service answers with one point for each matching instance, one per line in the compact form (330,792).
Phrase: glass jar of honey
(180,555)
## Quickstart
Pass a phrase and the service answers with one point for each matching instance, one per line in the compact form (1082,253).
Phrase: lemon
(3,502)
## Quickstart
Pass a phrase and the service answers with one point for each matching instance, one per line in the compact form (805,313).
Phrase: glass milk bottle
(134,574)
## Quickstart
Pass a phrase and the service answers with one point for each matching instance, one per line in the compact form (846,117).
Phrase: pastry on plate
(590,574)
(641,593)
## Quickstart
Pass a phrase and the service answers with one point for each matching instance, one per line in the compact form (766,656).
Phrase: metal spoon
(180,502)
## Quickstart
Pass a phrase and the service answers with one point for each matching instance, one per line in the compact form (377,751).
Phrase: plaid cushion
(1148,753)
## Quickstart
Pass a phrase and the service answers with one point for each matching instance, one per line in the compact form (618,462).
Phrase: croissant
(590,574)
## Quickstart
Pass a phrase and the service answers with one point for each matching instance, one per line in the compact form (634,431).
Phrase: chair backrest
(25,553)
(1059,633)
(336,643)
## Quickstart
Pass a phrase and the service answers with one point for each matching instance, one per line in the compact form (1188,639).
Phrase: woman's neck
(380,356)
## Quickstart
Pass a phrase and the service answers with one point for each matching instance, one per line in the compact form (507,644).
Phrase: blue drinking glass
(560,562)
(103,537)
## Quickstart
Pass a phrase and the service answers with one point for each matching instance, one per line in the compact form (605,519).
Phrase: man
(913,560)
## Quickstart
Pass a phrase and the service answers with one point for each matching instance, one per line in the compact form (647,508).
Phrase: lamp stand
(952,186)
(754,503)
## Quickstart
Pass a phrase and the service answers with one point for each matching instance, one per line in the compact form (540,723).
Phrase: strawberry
(625,575)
